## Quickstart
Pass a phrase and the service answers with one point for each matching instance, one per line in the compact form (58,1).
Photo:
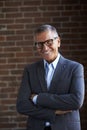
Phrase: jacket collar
(57,74)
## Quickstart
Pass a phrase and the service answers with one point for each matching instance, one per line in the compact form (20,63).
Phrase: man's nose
(45,47)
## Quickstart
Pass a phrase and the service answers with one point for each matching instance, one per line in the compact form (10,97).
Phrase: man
(51,99)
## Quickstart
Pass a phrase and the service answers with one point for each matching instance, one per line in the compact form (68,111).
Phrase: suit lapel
(58,72)
(41,76)
(56,77)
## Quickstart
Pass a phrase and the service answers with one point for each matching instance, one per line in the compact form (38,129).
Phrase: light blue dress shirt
(51,70)
(53,65)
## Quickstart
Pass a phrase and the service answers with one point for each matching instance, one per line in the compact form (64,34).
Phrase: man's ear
(59,41)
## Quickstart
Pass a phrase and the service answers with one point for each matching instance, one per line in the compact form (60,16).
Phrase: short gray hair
(46,27)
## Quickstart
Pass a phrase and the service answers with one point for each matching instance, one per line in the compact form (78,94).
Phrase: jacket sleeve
(70,101)
(25,106)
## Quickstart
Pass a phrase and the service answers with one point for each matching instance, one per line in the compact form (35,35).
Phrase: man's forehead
(45,35)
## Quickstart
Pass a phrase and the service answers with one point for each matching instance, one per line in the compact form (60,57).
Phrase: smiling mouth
(46,52)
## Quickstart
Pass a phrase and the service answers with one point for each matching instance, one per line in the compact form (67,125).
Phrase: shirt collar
(54,63)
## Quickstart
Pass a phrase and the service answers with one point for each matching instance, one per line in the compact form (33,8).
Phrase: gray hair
(44,28)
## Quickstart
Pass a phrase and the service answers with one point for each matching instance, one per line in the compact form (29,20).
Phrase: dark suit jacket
(66,93)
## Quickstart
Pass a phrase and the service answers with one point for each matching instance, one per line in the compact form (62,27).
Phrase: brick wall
(18,19)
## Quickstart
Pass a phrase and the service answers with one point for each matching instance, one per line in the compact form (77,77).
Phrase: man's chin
(48,59)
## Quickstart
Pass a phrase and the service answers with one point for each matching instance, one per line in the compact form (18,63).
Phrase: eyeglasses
(48,43)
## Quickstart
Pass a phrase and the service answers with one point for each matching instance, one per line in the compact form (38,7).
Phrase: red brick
(69,2)
(16,72)
(12,49)
(7,32)
(1,3)
(32,3)
(4,44)
(1,15)
(28,37)
(8,101)
(79,19)
(83,2)
(8,125)
(70,24)
(16,38)
(31,26)
(51,13)
(4,72)
(20,118)
(15,26)
(7,66)
(60,19)
(28,9)
(84,7)
(3,119)
(27,54)
(3,84)
(13,95)
(15,83)
(12,3)
(3,96)
(22,125)
(24,32)
(13,15)
(30,14)
(2,38)
(42,20)
(6,21)
(77,7)
(4,55)
(16,60)
(6,10)
(70,13)
(24,43)
(7,113)
(21,65)
(8,78)
(24,20)
(25,49)
(51,2)
(3,108)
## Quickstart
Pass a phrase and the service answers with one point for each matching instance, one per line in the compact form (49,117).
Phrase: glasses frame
(48,43)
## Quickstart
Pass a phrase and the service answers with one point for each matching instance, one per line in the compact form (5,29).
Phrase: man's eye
(49,41)
(40,44)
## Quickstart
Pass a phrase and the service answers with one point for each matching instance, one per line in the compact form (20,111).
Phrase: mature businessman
(52,89)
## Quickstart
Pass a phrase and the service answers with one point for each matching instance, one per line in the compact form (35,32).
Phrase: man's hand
(32,96)
(62,112)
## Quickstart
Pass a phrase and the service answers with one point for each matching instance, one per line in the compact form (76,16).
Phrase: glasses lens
(48,42)
(38,44)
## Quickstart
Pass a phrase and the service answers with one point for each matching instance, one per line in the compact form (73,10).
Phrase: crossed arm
(59,112)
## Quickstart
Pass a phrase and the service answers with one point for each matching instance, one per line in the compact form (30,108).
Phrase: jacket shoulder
(71,62)
(33,65)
